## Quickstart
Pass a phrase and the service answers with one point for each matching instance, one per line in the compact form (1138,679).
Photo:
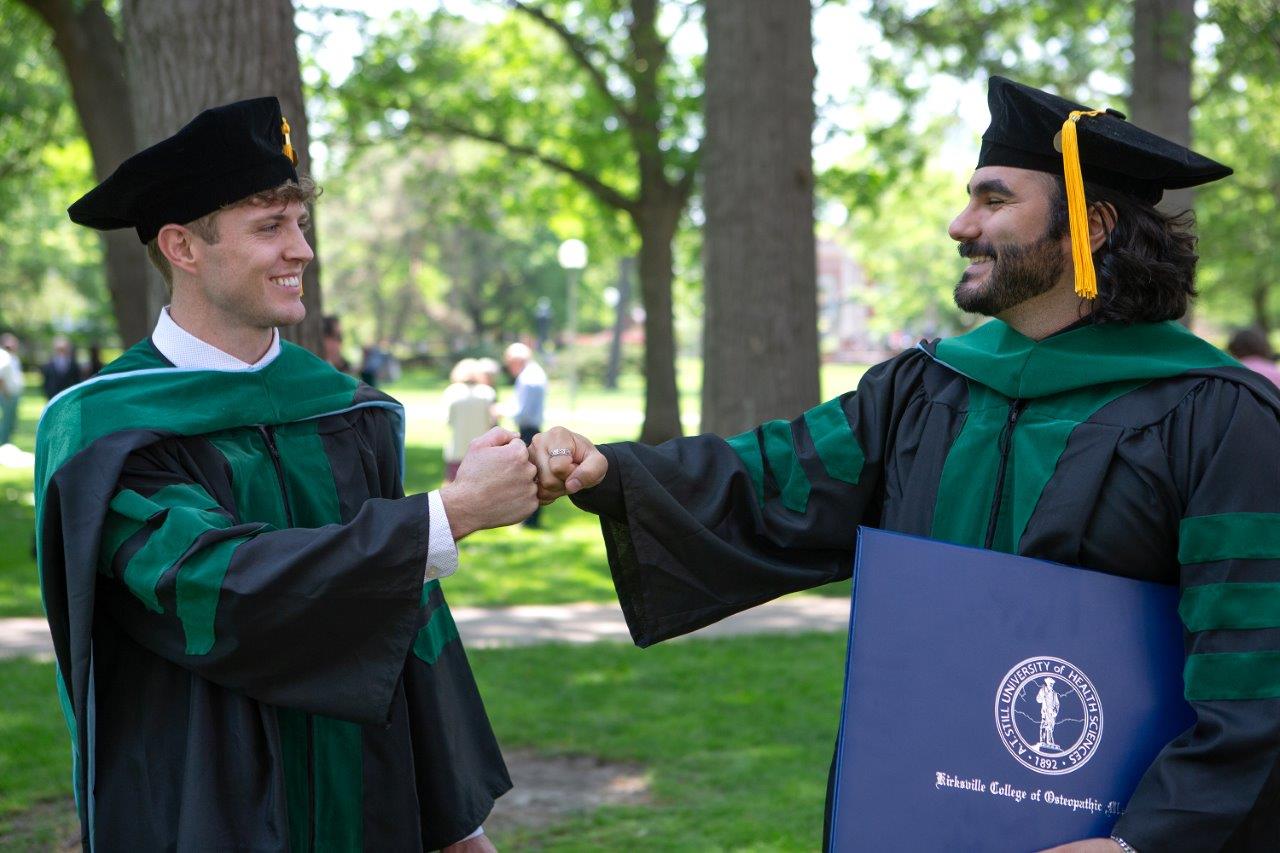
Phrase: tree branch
(580,50)
(598,188)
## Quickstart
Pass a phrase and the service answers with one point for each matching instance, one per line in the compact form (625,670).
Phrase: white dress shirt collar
(184,349)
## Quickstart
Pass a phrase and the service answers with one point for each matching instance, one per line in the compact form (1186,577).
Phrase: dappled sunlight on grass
(736,736)
(560,563)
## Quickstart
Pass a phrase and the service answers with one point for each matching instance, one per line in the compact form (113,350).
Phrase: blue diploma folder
(995,702)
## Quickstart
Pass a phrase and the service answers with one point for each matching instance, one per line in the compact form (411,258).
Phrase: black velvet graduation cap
(1031,129)
(1025,128)
(221,156)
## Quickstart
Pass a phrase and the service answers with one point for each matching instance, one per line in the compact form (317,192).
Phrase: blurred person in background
(373,364)
(331,331)
(1252,349)
(60,372)
(469,400)
(531,395)
(488,369)
(11,384)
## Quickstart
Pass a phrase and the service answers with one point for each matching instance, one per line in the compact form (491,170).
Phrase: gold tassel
(288,144)
(1077,209)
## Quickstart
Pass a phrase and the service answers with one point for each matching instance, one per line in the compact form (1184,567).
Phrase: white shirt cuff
(442,551)
(479,832)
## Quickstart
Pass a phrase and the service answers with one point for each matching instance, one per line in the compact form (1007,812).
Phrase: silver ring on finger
(559,451)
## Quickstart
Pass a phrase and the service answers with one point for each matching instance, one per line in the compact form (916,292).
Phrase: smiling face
(251,277)
(1016,249)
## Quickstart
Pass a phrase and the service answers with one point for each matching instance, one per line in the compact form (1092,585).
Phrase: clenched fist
(494,487)
(567,462)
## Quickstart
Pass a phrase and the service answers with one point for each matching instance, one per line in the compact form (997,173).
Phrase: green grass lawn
(735,736)
(35,758)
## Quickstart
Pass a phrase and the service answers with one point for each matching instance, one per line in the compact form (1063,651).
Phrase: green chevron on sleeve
(835,442)
(780,450)
(116,531)
(188,510)
(198,588)
(747,446)
(1229,536)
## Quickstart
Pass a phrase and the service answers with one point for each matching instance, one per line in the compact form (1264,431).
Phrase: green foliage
(1236,123)
(427,246)
(50,275)
(586,116)
(1239,217)
(514,82)
(1063,43)
(900,239)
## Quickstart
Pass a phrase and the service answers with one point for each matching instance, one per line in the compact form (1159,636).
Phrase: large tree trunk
(85,39)
(761,341)
(656,225)
(196,54)
(1163,31)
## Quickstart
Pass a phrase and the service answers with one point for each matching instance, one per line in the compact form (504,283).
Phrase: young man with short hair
(1081,425)
(254,652)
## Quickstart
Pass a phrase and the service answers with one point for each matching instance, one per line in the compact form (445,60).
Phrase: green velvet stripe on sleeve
(747,446)
(1217,606)
(1230,536)
(835,442)
(780,450)
(116,531)
(189,512)
(199,586)
(1233,675)
(439,631)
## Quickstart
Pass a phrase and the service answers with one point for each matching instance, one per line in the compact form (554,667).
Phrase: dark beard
(1020,272)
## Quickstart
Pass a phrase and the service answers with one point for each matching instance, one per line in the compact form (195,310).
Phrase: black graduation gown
(248,656)
(1139,451)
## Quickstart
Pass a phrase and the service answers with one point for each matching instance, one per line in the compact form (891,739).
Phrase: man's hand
(494,486)
(1089,845)
(565,473)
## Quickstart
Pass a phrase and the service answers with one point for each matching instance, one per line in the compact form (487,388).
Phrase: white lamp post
(572,256)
